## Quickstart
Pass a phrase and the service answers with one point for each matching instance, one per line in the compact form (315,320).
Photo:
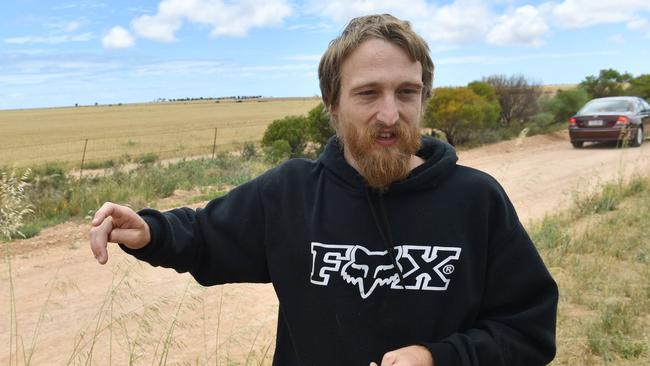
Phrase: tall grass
(598,252)
(127,329)
(57,197)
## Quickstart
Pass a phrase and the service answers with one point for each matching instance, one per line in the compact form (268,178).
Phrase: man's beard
(381,165)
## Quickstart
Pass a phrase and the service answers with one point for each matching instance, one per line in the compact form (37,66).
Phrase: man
(383,251)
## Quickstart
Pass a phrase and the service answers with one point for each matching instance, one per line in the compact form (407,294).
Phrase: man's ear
(332,110)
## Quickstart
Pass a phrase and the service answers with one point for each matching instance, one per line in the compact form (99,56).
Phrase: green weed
(598,253)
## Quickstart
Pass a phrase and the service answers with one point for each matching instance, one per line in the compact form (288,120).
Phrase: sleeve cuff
(155,227)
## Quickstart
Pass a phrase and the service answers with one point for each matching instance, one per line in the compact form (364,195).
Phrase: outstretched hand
(117,224)
(407,356)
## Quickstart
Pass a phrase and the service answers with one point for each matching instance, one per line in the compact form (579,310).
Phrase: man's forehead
(379,62)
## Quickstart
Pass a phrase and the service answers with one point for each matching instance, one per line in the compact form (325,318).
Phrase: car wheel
(577,144)
(638,138)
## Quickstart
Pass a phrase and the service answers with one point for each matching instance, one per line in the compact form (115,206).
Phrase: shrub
(459,111)
(319,127)
(14,204)
(248,151)
(565,103)
(608,83)
(640,86)
(279,151)
(148,158)
(292,130)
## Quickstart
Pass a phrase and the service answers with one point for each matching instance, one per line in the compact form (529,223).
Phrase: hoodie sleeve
(517,319)
(221,243)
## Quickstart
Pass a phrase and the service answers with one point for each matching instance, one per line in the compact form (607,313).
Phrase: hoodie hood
(439,160)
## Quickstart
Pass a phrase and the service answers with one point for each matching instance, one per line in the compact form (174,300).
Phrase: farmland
(36,136)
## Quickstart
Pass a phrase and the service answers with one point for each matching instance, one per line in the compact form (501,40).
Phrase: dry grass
(37,136)
(598,254)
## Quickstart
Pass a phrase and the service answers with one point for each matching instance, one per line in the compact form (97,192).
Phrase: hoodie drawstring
(387,237)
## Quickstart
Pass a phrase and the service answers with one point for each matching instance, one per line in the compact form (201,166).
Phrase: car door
(646,118)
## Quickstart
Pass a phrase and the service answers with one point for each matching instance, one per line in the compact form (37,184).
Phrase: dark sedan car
(611,119)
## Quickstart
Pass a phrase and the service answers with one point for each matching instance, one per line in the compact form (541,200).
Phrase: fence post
(214,143)
(83,158)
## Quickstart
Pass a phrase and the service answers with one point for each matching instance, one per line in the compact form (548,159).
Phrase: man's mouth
(386,138)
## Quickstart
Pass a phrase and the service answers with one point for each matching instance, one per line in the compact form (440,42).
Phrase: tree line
(495,108)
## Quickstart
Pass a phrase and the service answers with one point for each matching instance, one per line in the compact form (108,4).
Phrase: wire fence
(114,148)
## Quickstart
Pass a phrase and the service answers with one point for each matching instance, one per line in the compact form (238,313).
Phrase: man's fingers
(388,359)
(373,364)
(129,237)
(105,211)
(99,239)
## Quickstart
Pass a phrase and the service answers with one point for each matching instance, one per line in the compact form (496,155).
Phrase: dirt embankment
(130,310)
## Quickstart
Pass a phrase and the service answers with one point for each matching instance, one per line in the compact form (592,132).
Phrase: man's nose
(388,112)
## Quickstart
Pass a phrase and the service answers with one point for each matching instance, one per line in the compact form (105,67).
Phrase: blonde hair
(359,30)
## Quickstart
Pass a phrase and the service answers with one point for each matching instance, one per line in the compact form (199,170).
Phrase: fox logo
(422,267)
(368,270)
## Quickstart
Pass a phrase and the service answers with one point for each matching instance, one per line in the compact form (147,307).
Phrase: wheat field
(37,136)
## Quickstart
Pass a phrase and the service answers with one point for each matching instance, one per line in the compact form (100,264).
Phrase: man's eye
(366,93)
(409,91)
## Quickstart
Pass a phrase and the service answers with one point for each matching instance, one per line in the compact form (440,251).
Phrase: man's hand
(407,356)
(117,224)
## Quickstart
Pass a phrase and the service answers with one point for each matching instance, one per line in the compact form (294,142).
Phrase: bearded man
(383,250)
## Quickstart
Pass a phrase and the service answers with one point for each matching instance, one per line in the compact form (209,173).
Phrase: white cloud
(586,13)
(523,26)
(70,27)
(491,60)
(58,27)
(616,38)
(118,37)
(461,21)
(638,24)
(225,18)
(50,39)
(157,28)
(641,25)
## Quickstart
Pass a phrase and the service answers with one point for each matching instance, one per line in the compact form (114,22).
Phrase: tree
(319,126)
(517,97)
(640,86)
(484,89)
(565,103)
(457,111)
(292,129)
(609,83)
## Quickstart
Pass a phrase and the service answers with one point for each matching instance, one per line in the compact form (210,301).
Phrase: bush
(609,83)
(319,127)
(640,86)
(248,151)
(278,152)
(292,130)
(14,203)
(148,158)
(458,112)
(565,103)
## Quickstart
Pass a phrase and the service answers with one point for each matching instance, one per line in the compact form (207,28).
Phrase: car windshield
(607,106)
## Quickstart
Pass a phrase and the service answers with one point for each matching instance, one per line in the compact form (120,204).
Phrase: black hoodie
(439,259)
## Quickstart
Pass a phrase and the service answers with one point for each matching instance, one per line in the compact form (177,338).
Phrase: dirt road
(70,310)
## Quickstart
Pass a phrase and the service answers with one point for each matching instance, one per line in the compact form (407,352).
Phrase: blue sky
(86,51)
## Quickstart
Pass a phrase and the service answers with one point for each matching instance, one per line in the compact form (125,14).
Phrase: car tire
(638,138)
(577,144)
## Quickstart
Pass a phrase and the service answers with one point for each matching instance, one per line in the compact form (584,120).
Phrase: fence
(112,149)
